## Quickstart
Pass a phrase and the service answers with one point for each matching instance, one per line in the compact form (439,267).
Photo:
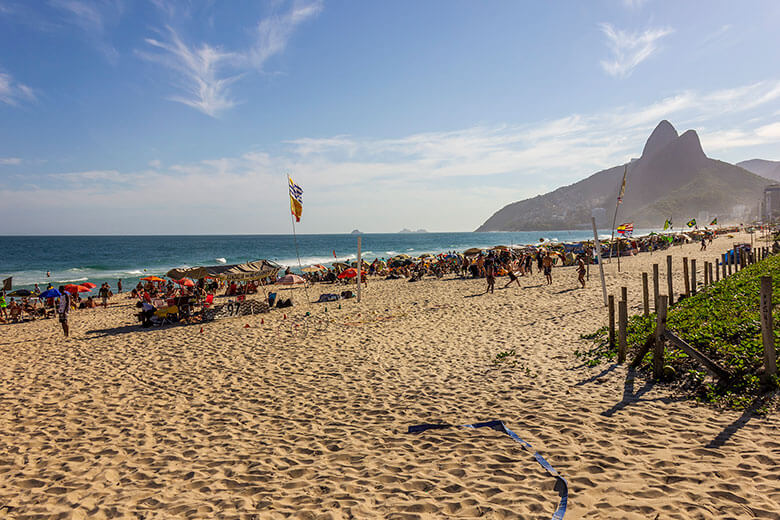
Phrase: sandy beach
(307,417)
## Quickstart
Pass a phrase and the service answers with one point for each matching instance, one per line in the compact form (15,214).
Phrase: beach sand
(307,417)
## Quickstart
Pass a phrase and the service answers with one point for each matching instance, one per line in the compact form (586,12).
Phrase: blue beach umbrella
(51,293)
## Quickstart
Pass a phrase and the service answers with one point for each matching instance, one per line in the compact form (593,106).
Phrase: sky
(162,117)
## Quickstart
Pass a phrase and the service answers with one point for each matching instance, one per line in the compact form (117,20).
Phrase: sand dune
(307,417)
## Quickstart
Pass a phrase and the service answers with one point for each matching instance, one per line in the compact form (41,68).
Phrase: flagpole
(614,219)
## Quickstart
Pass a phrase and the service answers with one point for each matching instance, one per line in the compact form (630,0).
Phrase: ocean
(98,259)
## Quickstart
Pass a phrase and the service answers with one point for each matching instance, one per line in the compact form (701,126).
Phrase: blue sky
(151,116)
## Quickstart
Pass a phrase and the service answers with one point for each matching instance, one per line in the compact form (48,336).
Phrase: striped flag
(626,229)
(714,222)
(296,199)
(668,224)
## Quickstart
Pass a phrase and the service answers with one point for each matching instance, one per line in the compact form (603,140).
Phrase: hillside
(762,167)
(672,178)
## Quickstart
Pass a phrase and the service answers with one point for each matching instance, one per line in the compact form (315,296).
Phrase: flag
(668,224)
(626,229)
(691,222)
(7,283)
(623,186)
(714,222)
(296,199)
(334,254)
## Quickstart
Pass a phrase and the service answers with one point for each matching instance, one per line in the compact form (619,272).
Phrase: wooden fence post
(693,276)
(622,330)
(709,267)
(624,293)
(645,295)
(706,273)
(669,279)
(723,264)
(767,331)
(686,277)
(717,270)
(658,348)
(611,311)
(655,287)
(729,260)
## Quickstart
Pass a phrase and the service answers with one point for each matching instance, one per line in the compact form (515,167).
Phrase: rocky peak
(663,134)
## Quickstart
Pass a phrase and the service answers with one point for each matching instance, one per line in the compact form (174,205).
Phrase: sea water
(98,259)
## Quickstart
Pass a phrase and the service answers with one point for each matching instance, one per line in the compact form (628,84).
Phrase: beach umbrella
(89,285)
(20,292)
(152,279)
(311,269)
(186,282)
(51,293)
(290,279)
(73,289)
(472,251)
(351,273)
(320,267)
(340,264)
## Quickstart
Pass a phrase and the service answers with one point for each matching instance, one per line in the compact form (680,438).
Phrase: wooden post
(655,287)
(723,264)
(686,277)
(717,270)
(645,295)
(767,331)
(624,294)
(611,311)
(623,325)
(658,349)
(709,268)
(730,260)
(706,273)
(669,288)
(693,276)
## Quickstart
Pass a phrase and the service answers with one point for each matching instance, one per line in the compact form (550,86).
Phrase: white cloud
(91,17)
(634,4)
(7,161)
(629,49)
(205,72)
(445,180)
(12,92)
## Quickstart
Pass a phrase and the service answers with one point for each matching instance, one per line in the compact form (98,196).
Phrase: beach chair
(167,314)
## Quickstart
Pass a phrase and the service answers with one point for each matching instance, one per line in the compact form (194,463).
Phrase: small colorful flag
(626,229)
(691,222)
(296,199)
(714,222)
(668,224)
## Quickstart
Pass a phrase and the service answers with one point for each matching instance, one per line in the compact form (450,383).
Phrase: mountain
(672,178)
(764,168)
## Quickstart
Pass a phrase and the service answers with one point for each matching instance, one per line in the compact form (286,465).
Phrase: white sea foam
(221,260)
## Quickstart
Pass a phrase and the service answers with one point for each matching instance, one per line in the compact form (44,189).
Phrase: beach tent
(256,270)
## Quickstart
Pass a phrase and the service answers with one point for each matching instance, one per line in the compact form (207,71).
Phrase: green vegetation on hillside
(723,322)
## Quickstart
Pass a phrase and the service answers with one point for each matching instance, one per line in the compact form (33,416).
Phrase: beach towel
(328,297)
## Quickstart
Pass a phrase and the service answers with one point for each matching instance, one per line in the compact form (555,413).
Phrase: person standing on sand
(547,263)
(581,270)
(703,244)
(64,309)
(103,293)
(490,273)
(119,286)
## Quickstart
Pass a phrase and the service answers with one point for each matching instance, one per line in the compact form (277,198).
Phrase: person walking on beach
(119,286)
(490,273)
(703,244)
(103,293)
(547,263)
(539,261)
(581,270)
(64,310)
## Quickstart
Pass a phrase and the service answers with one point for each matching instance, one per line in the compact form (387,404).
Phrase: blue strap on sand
(561,485)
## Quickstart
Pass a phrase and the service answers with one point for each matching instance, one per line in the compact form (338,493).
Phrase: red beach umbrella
(351,273)
(73,289)
(186,282)
(89,285)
